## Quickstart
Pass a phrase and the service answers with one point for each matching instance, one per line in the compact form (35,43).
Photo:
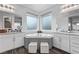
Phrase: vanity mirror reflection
(7,22)
(12,23)
(74,23)
(17,24)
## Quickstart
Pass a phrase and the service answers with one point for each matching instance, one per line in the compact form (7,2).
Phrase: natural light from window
(46,22)
(31,23)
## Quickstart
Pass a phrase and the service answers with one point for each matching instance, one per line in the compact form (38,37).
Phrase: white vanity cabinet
(6,43)
(19,40)
(74,44)
(11,41)
(65,42)
(61,41)
(56,40)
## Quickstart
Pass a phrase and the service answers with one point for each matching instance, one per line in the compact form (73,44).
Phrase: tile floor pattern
(22,50)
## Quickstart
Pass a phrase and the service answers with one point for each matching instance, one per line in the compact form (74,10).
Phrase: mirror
(74,23)
(7,22)
(18,24)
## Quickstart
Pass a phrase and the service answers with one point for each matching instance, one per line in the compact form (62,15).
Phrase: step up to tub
(44,47)
(32,47)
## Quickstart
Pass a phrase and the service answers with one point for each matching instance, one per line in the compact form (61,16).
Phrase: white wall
(61,19)
(62,23)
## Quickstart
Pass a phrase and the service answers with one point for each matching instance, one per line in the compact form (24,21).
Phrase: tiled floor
(22,50)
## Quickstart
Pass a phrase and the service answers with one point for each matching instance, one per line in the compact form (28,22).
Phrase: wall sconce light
(7,8)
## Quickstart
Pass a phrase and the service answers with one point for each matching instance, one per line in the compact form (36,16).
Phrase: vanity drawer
(75,50)
(75,42)
(75,39)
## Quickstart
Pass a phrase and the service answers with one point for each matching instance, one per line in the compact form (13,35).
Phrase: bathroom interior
(39,28)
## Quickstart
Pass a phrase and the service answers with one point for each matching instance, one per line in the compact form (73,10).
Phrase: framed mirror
(74,23)
(18,24)
(7,22)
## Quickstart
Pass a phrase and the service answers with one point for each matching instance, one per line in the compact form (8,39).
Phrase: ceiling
(38,7)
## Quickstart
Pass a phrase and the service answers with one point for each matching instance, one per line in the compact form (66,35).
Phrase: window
(34,23)
(31,22)
(46,22)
